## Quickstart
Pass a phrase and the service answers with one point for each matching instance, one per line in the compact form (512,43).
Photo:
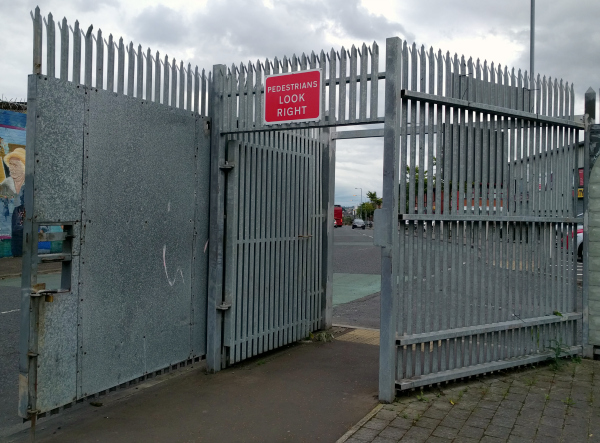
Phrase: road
(356,278)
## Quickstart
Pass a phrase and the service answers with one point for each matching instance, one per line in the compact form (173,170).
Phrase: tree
(375,201)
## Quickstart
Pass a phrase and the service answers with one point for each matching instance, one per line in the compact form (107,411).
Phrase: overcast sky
(230,31)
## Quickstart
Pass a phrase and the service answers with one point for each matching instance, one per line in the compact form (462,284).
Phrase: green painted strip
(349,287)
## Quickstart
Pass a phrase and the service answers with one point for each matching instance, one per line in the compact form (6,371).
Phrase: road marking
(8,312)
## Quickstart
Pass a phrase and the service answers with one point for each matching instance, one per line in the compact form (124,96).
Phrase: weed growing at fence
(421,397)
(558,350)
(323,336)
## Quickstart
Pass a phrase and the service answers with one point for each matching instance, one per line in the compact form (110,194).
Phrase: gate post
(328,192)
(386,223)
(214,318)
(591,223)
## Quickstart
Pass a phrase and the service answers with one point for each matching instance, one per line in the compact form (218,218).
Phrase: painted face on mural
(16,168)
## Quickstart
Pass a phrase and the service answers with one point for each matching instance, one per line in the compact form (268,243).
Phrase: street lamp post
(361,202)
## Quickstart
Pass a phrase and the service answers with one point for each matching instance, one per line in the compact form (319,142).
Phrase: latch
(224,306)
(227,166)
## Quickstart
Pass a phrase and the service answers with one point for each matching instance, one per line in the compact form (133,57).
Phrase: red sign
(293,98)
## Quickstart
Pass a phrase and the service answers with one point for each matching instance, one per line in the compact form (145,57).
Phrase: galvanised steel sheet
(138,224)
(58,153)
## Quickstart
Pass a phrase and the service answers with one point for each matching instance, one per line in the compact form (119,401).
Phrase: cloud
(161,25)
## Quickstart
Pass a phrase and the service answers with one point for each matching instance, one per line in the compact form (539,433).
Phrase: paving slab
(532,404)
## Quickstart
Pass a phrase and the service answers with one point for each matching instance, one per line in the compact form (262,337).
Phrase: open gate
(479,242)
(478,257)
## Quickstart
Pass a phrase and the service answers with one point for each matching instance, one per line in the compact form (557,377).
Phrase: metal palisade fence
(349,88)
(119,161)
(116,67)
(480,164)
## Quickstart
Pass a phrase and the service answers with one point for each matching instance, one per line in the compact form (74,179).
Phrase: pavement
(315,391)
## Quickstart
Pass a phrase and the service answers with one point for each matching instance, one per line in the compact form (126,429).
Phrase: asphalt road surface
(356,279)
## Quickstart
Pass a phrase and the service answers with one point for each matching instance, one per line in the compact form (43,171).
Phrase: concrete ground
(309,392)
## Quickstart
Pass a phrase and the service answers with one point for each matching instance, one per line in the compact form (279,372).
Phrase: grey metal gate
(272,202)
(125,178)
(479,242)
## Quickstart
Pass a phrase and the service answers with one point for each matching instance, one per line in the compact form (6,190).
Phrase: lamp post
(361,201)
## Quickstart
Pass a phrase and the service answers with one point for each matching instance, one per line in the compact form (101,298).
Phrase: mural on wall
(12,182)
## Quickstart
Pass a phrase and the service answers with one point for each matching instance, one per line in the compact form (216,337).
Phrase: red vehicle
(338,216)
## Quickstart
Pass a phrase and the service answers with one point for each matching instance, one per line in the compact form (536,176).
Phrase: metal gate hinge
(227,166)
(32,354)
(224,306)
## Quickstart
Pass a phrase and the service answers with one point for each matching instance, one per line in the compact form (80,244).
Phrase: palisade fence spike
(51,46)
(88,57)
(149,75)
(64,50)
(566,112)
(204,97)
(174,83)
(196,91)
(166,84)
(189,91)
(139,73)
(110,64)
(130,69)
(561,99)
(37,41)
(76,54)
(181,102)
(572,110)
(99,61)
(121,67)
(157,79)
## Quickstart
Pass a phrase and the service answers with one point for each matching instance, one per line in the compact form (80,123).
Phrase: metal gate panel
(273,242)
(127,179)
(485,253)
(136,257)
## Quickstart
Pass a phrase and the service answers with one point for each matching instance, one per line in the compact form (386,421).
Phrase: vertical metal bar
(343,86)
(121,68)
(99,60)
(130,69)
(389,253)
(203,97)
(215,281)
(181,101)
(139,73)
(50,47)
(327,202)
(110,70)
(37,41)
(189,91)
(332,85)
(173,99)
(241,93)
(374,80)
(258,96)
(149,75)
(231,241)
(250,96)
(76,54)
(242,244)
(88,57)
(364,61)
(197,81)
(268,236)
(64,50)
(352,87)
(157,78)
